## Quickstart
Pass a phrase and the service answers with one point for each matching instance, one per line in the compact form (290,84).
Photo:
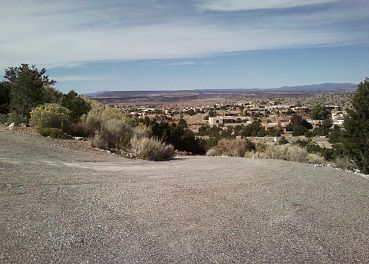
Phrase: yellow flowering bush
(50,116)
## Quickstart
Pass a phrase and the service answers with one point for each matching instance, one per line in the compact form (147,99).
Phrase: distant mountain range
(199,94)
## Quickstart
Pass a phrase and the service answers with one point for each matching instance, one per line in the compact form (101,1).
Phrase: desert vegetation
(28,96)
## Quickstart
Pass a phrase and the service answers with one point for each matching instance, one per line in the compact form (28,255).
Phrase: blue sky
(187,44)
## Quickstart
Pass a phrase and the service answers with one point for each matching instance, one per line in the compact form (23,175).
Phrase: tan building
(216,121)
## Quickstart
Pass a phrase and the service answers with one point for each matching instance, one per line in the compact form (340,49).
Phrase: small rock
(11,126)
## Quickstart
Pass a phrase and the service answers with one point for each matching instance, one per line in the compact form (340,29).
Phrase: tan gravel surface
(59,204)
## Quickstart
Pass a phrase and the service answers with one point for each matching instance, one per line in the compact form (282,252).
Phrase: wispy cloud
(181,63)
(70,33)
(240,5)
(80,78)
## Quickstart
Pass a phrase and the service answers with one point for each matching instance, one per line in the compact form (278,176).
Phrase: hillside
(191,95)
(59,203)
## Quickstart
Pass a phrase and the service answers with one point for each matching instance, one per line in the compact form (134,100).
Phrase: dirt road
(65,205)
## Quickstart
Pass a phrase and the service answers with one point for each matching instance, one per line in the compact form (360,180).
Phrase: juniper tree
(27,88)
(355,138)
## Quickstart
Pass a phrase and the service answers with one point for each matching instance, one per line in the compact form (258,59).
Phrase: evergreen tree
(4,97)
(27,88)
(355,138)
(319,112)
(76,105)
(182,123)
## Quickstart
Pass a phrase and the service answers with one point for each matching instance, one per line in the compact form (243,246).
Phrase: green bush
(50,116)
(181,139)
(298,130)
(3,118)
(254,129)
(151,149)
(50,132)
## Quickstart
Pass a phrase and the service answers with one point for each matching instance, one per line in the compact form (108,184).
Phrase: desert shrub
(335,135)
(282,141)
(328,154)
(50,116)
(254,129)
(15,118)
(232,148)
(260,147)
(117,133)
(3,118)
(315,159)
(151,149)
(181,139)
(274,132)
(100,113)
(344,163)
(141,131)
(286,152)
(81,129)
(93,120)
(298,130)
(50,132)
(100,141)
(255,155)
(302,143)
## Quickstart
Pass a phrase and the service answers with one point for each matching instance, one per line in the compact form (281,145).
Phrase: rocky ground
(63,203)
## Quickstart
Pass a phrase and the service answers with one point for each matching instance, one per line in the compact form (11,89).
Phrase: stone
(11,126)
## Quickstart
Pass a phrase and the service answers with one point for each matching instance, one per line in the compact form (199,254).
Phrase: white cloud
(70,33)
(241,5)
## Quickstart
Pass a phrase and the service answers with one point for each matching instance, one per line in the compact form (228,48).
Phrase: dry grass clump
(286,152)
(344,163)
(99,141)
(101,113)
(113,134)
(255,155)
(142,131)
(151,149)
(314,158)
(231,148)
(118,133)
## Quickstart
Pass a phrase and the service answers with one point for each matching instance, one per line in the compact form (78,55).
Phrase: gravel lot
(60,204)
